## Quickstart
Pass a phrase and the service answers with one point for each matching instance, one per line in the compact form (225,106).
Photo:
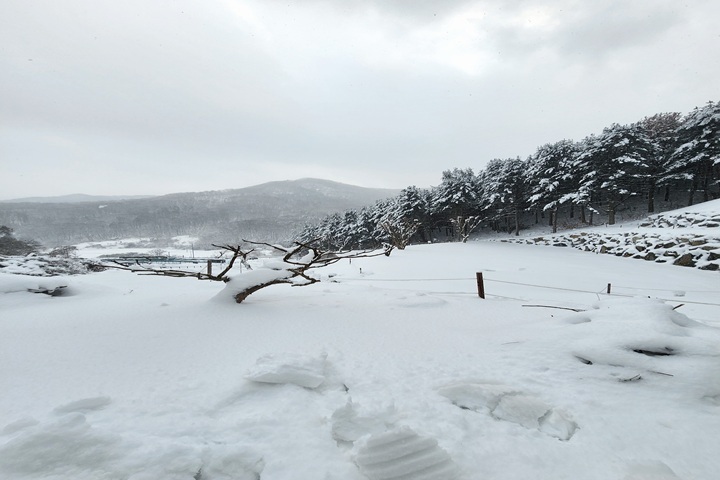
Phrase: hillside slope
(687,237)
(271,211)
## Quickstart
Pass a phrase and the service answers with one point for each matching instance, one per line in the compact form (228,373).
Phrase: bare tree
(292,268)
(399,231)
(465,226)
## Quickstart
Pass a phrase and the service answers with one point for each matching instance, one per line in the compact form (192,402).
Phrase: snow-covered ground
(391,368)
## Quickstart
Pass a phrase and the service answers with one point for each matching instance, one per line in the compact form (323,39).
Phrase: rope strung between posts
(600,292)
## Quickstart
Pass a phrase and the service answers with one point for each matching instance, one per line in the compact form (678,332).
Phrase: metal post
(608,289)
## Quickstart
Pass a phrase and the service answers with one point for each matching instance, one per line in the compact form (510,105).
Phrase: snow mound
(84,405)
(27,283)
(402,454)
(68,448)
(302,370)
(645,335)
(43,266)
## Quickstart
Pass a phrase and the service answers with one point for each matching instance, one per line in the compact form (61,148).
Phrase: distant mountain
(272,211)
(76,198)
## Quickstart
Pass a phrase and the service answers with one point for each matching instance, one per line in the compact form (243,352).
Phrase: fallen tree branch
(561,308)
(292,269)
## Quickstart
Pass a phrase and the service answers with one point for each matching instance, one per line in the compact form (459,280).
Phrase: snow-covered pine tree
(615,165)
(504,188)
(550,177)
(458,195)
(661,130)
(697,159)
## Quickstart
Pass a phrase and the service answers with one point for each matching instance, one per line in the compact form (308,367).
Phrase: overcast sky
(154,97)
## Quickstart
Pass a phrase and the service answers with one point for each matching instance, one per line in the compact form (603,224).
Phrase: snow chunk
(476,396)
(524,410)
(510,404)
(403,454)
(305,371)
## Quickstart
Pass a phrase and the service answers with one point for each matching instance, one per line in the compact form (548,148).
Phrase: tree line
(660,155)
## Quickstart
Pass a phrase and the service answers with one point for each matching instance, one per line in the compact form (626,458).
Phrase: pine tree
(457,196)
(661,130)
(551,182)
(697,159)
(615,166)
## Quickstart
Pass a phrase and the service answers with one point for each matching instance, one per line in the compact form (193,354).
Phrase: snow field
(137,377)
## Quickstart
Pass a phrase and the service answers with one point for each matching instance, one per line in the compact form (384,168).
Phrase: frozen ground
(389,368)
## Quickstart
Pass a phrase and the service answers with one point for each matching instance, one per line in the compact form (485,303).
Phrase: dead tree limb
(553,306)
(293,267)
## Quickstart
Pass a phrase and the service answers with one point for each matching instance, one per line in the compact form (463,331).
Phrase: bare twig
(552,306)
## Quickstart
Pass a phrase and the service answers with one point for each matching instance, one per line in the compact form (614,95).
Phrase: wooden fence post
(609,288)
(209,268)
(480,284)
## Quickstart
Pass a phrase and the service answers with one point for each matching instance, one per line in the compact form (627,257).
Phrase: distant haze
(270,212)
(149,98)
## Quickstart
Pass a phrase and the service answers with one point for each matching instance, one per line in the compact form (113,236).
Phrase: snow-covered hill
(688,237)
(390,368)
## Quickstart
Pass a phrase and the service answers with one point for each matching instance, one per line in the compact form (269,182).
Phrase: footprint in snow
(512,405)
(650,471)
(381,451)
(302,370)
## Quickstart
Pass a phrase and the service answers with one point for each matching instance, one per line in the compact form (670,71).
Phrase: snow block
(402,454)
(305,371)
(476,396)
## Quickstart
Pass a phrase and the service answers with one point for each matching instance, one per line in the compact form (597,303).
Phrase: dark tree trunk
(611,214)
(693,187)
(651,196)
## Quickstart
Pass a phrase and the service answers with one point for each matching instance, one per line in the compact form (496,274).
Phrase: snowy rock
(305,371)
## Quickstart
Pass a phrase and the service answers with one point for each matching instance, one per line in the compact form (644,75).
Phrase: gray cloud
(230,93)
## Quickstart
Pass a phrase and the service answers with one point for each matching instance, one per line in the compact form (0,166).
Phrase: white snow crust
(394,369)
